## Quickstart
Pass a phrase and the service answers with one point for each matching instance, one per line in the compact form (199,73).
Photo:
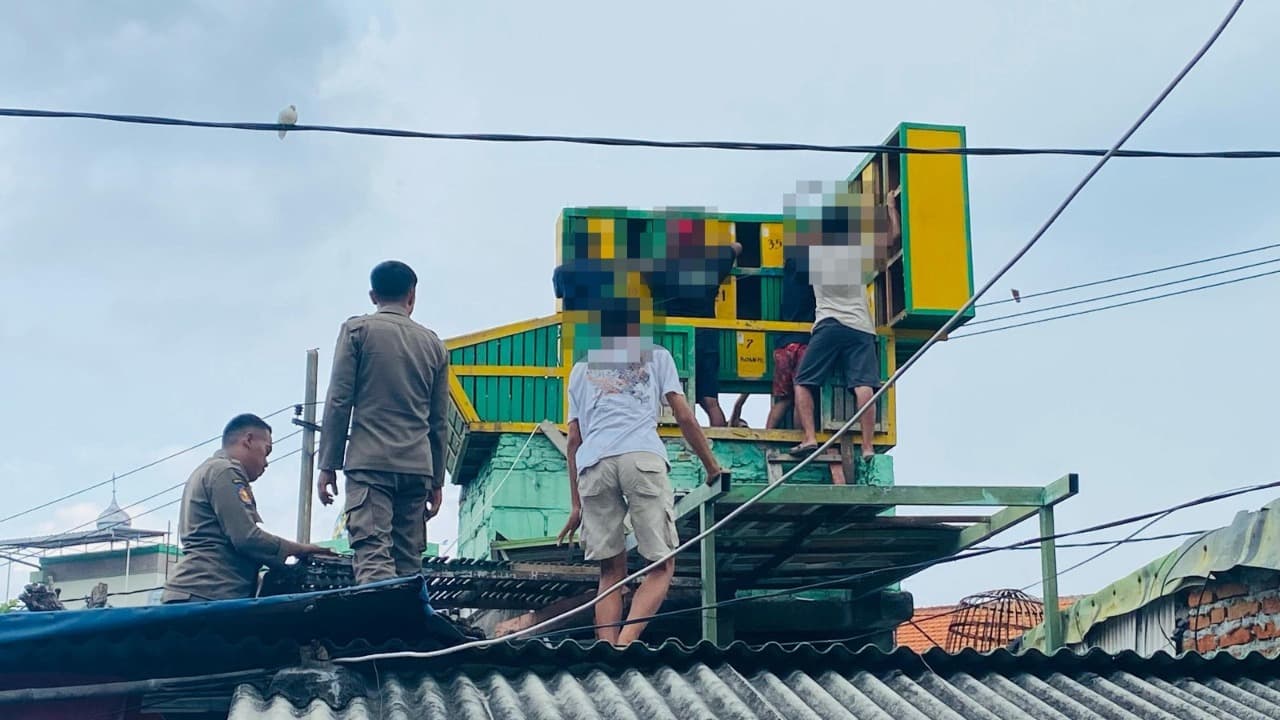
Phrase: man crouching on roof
(222,546)
(618,464)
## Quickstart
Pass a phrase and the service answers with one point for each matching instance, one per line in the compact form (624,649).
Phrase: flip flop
(802,449)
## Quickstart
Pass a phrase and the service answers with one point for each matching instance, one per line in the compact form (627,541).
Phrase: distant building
(930,627)
(133,563)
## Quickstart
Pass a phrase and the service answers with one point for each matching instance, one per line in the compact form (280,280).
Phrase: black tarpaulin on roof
(45,649)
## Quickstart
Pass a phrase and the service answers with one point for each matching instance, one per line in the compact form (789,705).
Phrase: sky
(156,281)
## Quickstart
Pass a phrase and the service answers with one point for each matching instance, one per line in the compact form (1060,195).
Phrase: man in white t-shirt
(618,465)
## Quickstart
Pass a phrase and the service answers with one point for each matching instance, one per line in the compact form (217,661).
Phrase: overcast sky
(156,281)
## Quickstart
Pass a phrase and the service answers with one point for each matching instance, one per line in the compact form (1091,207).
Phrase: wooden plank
(557,438)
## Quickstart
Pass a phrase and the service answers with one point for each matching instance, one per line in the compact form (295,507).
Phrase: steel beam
(1049,578)
(701,495)
(876,496)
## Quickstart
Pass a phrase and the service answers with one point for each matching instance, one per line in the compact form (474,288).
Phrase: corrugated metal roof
(1251,540)
(572,681)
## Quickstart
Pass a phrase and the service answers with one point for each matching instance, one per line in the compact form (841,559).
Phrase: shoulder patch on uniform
(245,493)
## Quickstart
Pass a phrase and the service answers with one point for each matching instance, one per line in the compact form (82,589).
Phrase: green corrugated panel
(771,298)
(728,355)
(555,400)
(679,342)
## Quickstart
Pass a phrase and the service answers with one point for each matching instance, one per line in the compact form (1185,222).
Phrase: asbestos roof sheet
(1251,540)
(673,681)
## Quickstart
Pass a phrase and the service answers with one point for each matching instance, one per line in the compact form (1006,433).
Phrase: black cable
(169,489)
(140,468)
(1122,293)
(636,142)
(1129,276)
(1112,546)
(1099,543)
(926,564)
(1114,305)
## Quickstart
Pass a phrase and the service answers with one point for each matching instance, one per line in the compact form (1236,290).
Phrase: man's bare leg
(867,421)
(804,408)
(776,413)
(647,600)
(609,610)
(715,415)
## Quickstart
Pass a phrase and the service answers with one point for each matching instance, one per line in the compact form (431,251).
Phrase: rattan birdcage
(992,619)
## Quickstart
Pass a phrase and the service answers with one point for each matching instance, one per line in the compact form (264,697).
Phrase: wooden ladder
(839,463)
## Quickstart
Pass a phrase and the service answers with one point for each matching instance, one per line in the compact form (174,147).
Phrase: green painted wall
(526,495)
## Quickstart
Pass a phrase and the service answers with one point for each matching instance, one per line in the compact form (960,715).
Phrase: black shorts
(836,347)
(706,372)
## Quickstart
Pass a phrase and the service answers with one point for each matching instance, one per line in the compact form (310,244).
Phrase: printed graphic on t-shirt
(633,379)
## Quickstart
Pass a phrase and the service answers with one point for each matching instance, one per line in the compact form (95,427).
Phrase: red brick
(1239,636)
(1243,608)
(1217,615)
(1198,597)
(1266,632)
(1229,590)
(1206,643)
(1271,605)
(1198,622)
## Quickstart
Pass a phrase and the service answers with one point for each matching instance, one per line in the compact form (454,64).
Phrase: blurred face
(252,452)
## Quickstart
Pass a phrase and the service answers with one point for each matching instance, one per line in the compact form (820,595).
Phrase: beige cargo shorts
(634,483)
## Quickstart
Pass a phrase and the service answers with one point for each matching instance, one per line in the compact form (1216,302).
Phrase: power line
(1117,278)
(140,468)
(1115,305)
(1126,541)
(926,564)
(1123,293)
(169,489)
(638,142)
(889,383)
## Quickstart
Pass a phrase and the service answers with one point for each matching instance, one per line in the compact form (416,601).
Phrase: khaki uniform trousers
(386,522)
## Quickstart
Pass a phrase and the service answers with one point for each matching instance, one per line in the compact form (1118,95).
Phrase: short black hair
(392,280)
(241,423)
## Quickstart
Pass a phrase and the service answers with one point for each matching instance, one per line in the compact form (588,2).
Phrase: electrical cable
(1127,541)
(910,567)
(140,468)
(169,489)
(1117,278)
(1122,293)
(1101,552)
(941,332)
(639,142)
(1115,305)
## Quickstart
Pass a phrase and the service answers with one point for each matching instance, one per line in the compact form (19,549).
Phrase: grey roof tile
(672,681)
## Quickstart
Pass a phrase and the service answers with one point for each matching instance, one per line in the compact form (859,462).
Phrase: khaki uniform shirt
(222,546)
(390,386)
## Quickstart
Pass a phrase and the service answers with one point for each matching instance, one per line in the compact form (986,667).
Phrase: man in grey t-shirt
(618,465)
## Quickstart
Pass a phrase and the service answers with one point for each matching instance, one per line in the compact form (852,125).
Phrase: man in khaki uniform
(390,386)
(222,546)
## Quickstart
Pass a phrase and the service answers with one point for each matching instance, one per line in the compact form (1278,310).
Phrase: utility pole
(308,424)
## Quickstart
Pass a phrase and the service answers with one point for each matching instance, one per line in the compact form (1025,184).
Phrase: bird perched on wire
(1017,297)
(288,116)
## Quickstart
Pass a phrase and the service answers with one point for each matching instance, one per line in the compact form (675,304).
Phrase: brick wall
(1237,612)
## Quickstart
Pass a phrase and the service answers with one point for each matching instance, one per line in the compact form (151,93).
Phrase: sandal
(803,449)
